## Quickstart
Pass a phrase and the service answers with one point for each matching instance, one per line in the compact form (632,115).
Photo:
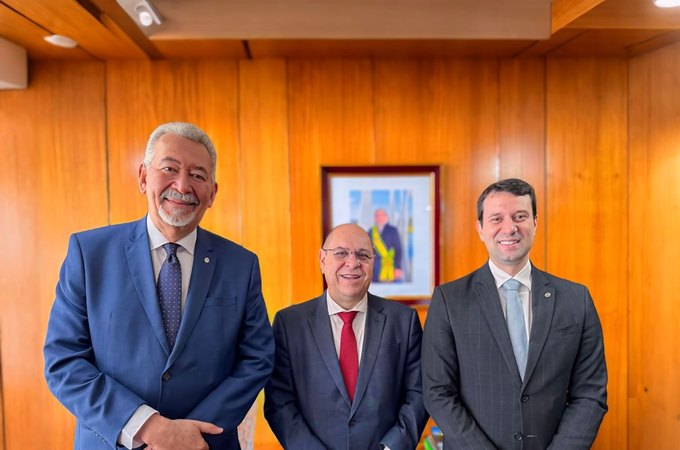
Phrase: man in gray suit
(347,368)
(513,356)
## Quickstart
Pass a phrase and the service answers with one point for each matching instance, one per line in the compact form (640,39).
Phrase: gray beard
(176,220)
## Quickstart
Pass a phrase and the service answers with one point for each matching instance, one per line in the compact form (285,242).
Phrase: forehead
(497,202)
(350,237)
(181,149)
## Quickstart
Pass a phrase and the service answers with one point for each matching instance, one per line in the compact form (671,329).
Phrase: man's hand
(160,433)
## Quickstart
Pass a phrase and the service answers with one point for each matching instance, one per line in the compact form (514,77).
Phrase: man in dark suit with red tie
(347,368)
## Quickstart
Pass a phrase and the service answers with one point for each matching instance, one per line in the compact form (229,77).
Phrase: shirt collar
(156,238)
(334,308)
(500,277)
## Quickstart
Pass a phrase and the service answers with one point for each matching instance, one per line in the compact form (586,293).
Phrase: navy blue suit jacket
(473,388)
(106,352)
(306,403)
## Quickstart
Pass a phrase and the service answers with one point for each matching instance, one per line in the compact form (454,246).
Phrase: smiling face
(348,279)
(178,185)
(507,229)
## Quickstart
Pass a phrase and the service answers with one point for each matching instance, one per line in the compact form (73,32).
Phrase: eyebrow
(173,160)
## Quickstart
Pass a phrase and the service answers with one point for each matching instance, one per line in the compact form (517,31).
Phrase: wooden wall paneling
(331,123)
(442,112)
(587,205)
(654,392)
(140,96)
(53,145)
(521,133)
(263,126)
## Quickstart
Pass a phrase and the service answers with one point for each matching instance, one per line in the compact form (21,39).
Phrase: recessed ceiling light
(667,3)
(61,41)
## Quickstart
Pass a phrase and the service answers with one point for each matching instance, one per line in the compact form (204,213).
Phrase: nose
(352,260)
(509,227)
(183,181)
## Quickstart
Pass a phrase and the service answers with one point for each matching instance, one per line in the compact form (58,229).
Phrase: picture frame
(399,208)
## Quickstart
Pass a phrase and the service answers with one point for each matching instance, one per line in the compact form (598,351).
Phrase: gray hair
(186,130)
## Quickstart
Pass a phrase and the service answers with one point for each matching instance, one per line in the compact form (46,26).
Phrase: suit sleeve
(230,401)
(441,378)
(587,397)
(280,405)
(405,434)
(98,401)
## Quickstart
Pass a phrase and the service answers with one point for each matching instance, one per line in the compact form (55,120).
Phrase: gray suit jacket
(306,403)
(473,389)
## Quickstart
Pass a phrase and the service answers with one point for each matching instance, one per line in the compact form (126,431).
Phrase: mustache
(174,195)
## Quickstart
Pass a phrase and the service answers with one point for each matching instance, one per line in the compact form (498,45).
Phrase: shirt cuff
(127,435)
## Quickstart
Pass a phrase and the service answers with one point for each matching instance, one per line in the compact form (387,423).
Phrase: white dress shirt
(185,254)
(358,324)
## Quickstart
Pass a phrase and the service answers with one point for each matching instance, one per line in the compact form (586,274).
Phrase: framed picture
(399,208)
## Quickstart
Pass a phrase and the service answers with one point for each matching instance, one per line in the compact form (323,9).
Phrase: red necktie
(349,359)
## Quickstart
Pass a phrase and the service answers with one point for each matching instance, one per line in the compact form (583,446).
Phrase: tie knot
(348,317)
(511,285)
(170,248)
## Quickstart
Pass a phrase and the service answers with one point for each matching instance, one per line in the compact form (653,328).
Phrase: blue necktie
(170,292)
(515,318)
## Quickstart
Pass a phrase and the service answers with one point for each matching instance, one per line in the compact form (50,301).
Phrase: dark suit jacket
(306,403)
(472,386)
(106,352)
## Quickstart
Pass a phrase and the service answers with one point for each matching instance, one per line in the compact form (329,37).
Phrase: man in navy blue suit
(136,372)
(315,399)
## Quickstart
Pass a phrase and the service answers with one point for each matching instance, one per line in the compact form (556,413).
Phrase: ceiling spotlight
(667,3)
(147,14)
(61,41)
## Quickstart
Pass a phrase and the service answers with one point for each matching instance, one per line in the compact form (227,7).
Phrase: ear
(141,178)
(212,195)
(479,230)
(322,259)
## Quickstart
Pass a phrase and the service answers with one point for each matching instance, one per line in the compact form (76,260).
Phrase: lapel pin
(547,294)
(206,260)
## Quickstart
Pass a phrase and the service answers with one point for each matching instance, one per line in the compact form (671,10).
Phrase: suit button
(519,436)
(525,398)
(166,376)
(352,422)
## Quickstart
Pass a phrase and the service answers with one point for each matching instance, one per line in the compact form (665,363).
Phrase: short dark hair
(515,186)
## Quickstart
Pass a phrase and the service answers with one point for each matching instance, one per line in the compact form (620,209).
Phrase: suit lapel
(543,307)
(201,278)
(487,295)
(141,272)
(320,325)
(375,323)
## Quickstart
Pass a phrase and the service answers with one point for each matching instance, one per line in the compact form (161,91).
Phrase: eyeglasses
(341,254)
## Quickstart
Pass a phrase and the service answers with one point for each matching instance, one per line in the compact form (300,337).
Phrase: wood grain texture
(79,24)
(654,393)
(443,112)
(331,123)
(566,11)
(264,159)
(52,139)
(521,125)
(587,231)
(142,95)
